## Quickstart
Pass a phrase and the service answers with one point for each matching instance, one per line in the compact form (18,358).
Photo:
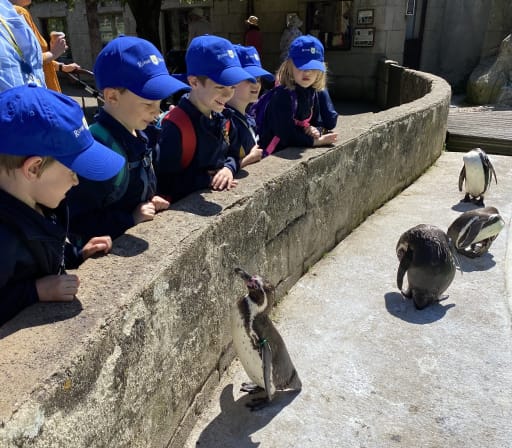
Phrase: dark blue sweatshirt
(33,246)
(280,118)
(106,207)
(217,147)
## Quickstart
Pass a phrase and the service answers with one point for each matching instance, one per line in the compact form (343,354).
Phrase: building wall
(457,33)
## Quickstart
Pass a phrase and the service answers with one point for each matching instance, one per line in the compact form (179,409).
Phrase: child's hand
(255,155)
(312,132)
(326,139)
(57,288)
(95,245)
(223,180)
(144,212)
(160,203)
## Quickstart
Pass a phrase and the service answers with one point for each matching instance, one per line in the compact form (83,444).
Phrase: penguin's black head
(259,288)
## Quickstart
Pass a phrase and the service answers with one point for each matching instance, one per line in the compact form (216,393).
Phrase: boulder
(491,81)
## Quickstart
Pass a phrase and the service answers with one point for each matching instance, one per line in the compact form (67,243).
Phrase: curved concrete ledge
(131,361)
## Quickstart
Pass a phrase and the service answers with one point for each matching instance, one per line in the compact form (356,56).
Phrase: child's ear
(111,95)
(193,81)
(31,167)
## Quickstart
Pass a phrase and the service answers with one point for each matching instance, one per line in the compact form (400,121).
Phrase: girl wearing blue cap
(300,110)
(246,93)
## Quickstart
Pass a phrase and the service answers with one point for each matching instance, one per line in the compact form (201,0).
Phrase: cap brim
(310,65)
(259,72)
(161,87)
(181,77)
(97,162)
(232,76)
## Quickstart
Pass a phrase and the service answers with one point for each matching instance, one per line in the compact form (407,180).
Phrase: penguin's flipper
(491,170)
(462,176)
(405,262)
(266,357)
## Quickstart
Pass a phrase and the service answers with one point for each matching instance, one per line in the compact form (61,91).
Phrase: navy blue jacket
(33,246)
(214,150)
(105,208)
(279,119)
(246,129)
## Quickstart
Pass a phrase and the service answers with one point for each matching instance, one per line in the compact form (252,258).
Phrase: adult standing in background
(290,33)
(253,36)
(197,24)
(20,55)
(51,52)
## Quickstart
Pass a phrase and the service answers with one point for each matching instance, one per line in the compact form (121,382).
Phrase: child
(133,76)
(246,93)
(213,69)
(292,117)
(45,142)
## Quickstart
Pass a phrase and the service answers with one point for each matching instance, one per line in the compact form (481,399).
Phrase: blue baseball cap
(35,121)
(251,63)
(215,57)
(137,65)
(307,53)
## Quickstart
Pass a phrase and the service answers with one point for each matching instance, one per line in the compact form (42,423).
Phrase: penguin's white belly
(475,178)
(249,357)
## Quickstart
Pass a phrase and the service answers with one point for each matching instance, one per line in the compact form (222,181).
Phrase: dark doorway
(416,11)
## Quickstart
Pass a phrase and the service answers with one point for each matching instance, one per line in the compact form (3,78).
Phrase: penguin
(257,342)
(477,171)
(425,255)
(473,232)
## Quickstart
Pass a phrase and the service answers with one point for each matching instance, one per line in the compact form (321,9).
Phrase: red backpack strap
(188,134)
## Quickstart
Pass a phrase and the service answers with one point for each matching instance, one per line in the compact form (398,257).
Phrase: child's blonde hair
(9,163)
(284,76)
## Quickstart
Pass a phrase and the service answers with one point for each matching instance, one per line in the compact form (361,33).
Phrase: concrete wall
(132,360)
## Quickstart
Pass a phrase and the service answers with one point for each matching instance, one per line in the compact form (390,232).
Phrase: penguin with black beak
(473,232)
(425,255)
(477,172)
(258,344)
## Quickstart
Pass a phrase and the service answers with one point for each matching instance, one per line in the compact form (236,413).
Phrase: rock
(491,80)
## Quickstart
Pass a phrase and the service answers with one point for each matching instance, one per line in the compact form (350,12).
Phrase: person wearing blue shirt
(300,111)
(45,144)
(246,93)
(21,58)
(133,77)
(213,71)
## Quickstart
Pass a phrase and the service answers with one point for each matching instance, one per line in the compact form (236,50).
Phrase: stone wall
(132,360)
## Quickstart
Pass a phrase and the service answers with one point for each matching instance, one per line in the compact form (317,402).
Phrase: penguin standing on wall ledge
(477,171)
(425,255)
(257,342)
(473,232)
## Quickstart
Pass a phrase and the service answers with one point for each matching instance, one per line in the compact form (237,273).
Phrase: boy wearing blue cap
(300,109)
(133,76)
(45,144)
(212,160)
(247,93)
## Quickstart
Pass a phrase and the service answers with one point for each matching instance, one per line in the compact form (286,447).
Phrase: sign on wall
(363,37)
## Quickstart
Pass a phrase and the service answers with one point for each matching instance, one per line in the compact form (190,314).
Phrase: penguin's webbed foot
(443,297)
(467,198)
(251,388)
(479,201)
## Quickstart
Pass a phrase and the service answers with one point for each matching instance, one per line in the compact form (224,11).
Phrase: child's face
(209,96)
(52,184)
(132,111)
(247,92)
(304,78)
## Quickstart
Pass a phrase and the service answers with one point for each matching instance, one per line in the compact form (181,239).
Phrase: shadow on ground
(235,424)
(404,309)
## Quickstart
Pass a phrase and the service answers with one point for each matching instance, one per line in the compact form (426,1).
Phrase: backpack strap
(188,134)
